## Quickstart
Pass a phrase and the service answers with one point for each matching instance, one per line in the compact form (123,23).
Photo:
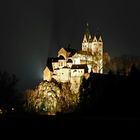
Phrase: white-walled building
(71,64)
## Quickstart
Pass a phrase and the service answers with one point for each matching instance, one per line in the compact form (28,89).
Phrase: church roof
(94,39)
(100,39)
(71,51)
(90,39)
(98,35)
(87,33)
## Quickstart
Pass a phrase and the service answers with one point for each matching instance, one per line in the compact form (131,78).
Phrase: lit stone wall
(69,65)
(63,52)
(55,65)
(76,60)
(64,74)
(62,63)
(75,83)
(47,74)
(77,72)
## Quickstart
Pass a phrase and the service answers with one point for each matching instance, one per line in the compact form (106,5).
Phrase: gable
(63,52)
(47,70)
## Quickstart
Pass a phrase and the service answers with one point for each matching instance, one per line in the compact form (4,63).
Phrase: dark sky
(33,30)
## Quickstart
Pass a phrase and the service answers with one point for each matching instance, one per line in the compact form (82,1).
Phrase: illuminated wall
(91,54)
(47,74)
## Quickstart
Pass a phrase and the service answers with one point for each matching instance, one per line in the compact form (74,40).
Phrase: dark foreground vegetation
(106,101)
(111,95)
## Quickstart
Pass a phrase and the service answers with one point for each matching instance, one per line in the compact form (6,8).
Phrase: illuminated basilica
(70,65)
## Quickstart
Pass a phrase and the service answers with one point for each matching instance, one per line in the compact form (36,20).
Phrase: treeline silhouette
(9,94)
(111,95)
(101,94)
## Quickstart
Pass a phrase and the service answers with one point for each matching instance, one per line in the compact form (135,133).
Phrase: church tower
(95,47)
(86,40)
(100,46)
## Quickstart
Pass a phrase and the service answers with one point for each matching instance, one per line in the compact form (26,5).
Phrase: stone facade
(70,65)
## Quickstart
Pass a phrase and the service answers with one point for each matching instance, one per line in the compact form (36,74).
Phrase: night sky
(33,30)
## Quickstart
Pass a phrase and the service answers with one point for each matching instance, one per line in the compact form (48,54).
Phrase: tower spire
(87,24)
(87,33)
(100,39)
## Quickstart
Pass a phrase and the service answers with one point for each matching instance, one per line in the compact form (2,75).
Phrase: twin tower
(94,46)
